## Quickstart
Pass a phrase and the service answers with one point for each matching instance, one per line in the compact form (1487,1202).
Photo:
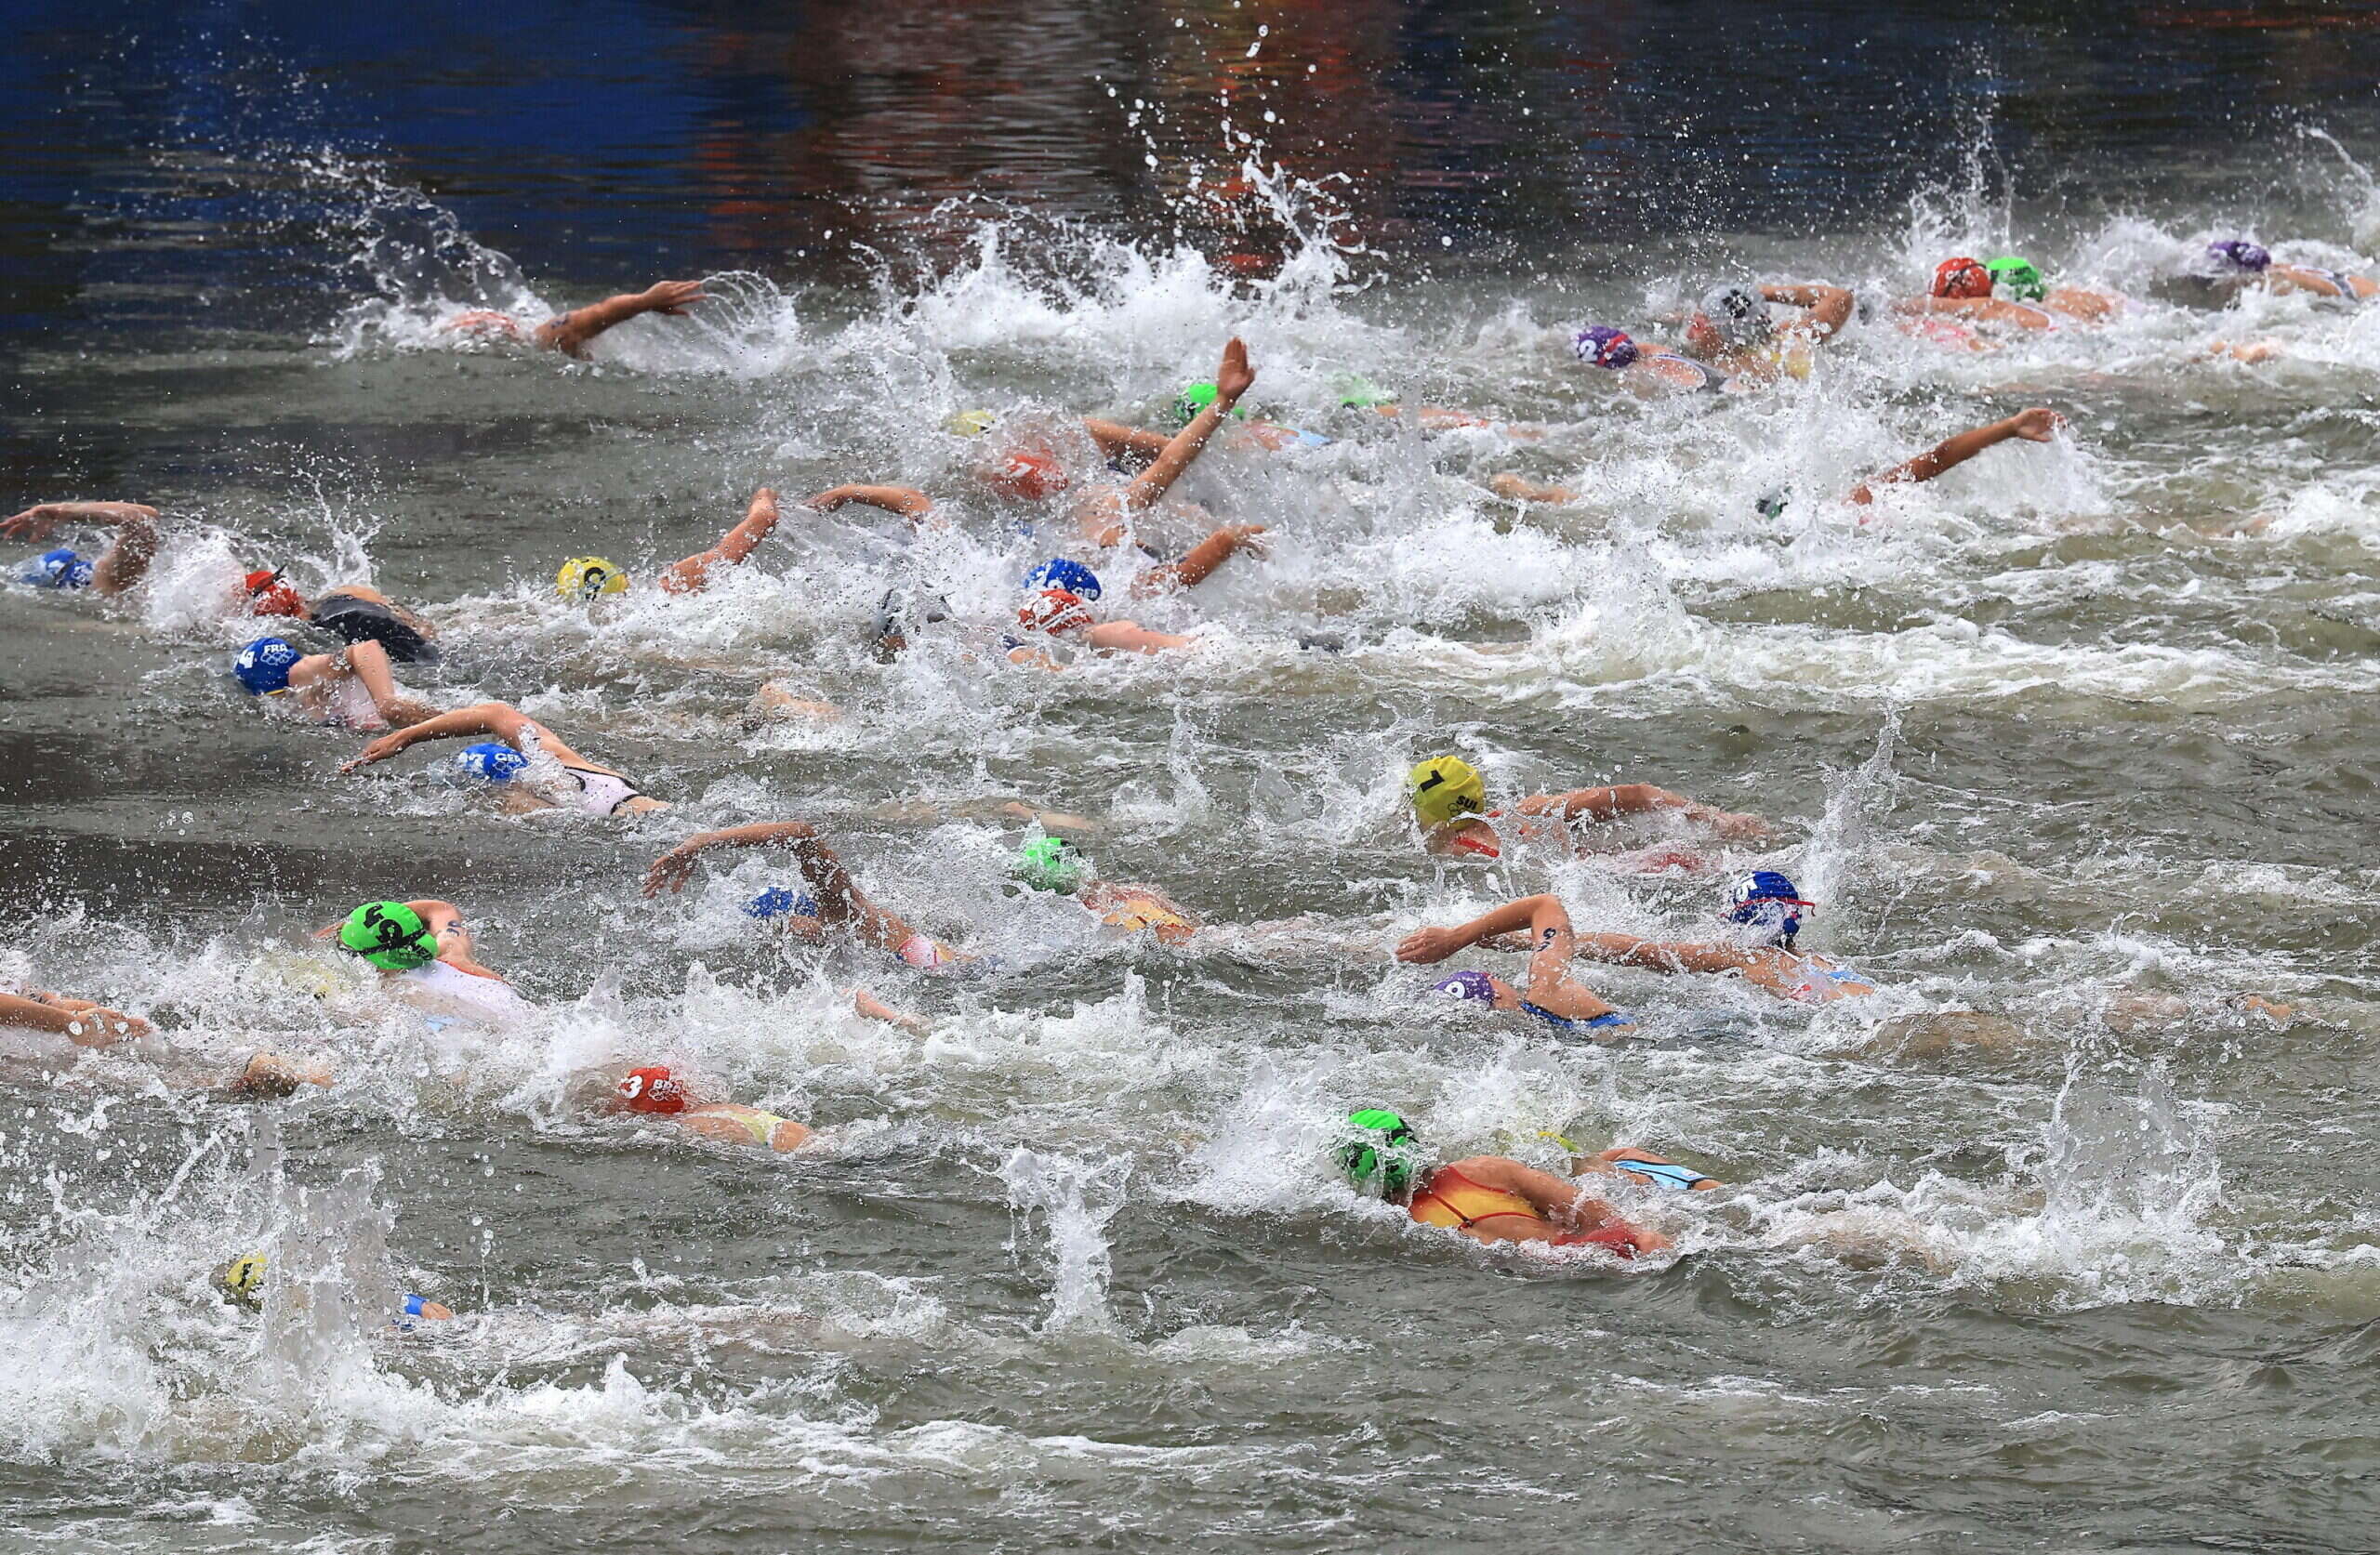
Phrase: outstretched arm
(1537,914)
(500,720)
(1640,799)
(908,501)
(127,559)
(693,575)
(1233,378)
(2038,425)
(1200,561)
(1119,442)
(570,332)
(1131,636)
(79,1020)
(1828,308)
(1657,955)
(673,869)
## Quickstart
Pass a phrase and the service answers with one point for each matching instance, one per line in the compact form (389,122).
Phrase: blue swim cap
(491,759)
(1059,572)
(778,901)
(60,569)
(1767,898)
(263,666)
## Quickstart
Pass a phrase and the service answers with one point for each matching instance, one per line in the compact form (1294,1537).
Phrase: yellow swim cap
(1443,788)
(242,1279)
(972,423)
(585,577)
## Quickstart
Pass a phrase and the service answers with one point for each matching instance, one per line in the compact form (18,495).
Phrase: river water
(2069,739)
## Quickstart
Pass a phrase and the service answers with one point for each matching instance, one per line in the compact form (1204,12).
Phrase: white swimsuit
(440,989)
(599,793)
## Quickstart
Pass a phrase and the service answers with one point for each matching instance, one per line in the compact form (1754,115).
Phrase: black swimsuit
(354,620)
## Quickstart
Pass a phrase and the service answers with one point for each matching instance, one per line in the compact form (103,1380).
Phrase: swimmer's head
(1768,902)
(268,596)
(1738,315)
(1961,277)
(2239,254)
(1604,346)
(1059,572)
(492,759)
(1050,864)
(1031,474)
(60,569)
(243,1279)
(589,577)
(1195,397)
(1054,610)
(1357,392)
(1772,504)
(1382,1156)
(1477,987)
(1445,788)
(263,666)
(778,900)
(2023,281)
(654,1089)
(389,935)
(970,423)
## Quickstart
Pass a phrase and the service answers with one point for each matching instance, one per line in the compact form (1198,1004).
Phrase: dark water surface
(2079,738)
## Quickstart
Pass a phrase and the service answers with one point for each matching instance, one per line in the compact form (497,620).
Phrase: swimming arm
(1542,915)
(693,575)
(1829,306)
(1119,442)
(501,719)
(1200,561)
(570,333)
(1565,1202)
(1640,799)
(127,559)
(79,1020)
(2037,424)
(1657,955)
(672,869)
(1131,636)
(1233,378)
(908,501)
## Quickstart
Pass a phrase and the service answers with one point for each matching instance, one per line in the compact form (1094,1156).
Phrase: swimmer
(657,1092)
(1052,864)
(351,611)
(424,955)
(1487,1198)
(1449,802)
(1732,329)
(352,689)
(1552,995)
(78,1021)
(2022,281)
(1962,289)
(1647,368)
(123,564)
(833,903)
(1061,614)
(243,1278)
(589,578)
(1767,907)
(2239,263)
(569,332)
(591,790)
(1105,514)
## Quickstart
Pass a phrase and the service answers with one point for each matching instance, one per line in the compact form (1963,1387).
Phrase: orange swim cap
(1030,474)
(653,1090)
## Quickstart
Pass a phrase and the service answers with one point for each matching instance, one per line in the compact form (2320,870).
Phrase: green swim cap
(2023,281)
(1049,864)
(1385,1149)
(389,935)
(1196,397)
(1360,393)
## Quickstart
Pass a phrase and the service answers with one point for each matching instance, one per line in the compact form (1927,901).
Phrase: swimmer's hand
(1234,377)
(380,749)
(673,869)
(1427,945)
(41,521)
(670,298)
(94,1026)
(2037,424)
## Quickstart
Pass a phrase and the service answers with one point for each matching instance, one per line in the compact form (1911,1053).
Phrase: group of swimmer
(422,951)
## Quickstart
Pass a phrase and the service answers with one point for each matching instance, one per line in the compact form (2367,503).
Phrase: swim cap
(1962,277)
(1604,346)
(2239,254)
(1059,572)
(1054,610)
(778,901)
(970,423)
(1476,986)
(492,759)
(1443,788)
(1385,1149)
(653,1090)
(60,569)
(1034,476)
(1766,898)
(263,666)
(1049,864)
(2024,283)
(1772,504)
(1195,397)
(389,935)
(1358,393)
(242,1279)
(586,577)
(268,596)
(1738,313)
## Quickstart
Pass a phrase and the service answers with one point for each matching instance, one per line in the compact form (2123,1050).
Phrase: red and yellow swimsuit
(1452,1200)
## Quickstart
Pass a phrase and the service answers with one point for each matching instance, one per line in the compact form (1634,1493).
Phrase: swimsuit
(1664,1174)
(1819,984)
(1571,1024)
(1452,1200)
(762,1125)
(1143,912)
(448,992)
(599,793)
(356,620)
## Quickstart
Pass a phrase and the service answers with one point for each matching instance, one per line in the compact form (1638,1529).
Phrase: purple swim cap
(1466,985)
(2239,254)
(1604,346)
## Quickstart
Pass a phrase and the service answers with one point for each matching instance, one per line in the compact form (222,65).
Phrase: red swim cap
(268,596)
(1962,277)
(653,1090)
(1030,474)
(1054,610)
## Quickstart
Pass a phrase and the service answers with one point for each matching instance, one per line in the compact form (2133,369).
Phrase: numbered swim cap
(1604,346)
(492,759)
(1768,900)
(1195,397)
(1445,788)
(2024,283)
(1467,985)
(1049,864)
(778,901)
(1059,572)
(970,423)
(1738,313)
(268,596)
(242,1279)
(1962,277)
(263,666)
(589,577)
(60,569)
(2239,254)
(653,1090)
(1026,473)
(1054,610)
(389,935)
(1384,1156)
